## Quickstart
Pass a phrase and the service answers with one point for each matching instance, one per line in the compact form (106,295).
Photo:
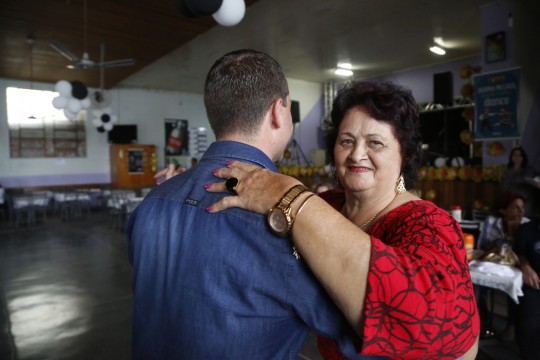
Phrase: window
(37,129)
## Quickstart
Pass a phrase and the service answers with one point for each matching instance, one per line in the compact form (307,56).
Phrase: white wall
(146,108)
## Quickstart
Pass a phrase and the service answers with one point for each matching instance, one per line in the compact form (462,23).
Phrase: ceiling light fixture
(344,65)
(343,72)
(437,50)
(344,69)
(439,41)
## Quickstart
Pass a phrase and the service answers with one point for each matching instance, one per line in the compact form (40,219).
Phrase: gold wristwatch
(280,217)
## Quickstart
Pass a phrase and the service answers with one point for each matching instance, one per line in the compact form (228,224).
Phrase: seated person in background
(499,228)
(496,231)
(395,264)
(527,247)
(519,177)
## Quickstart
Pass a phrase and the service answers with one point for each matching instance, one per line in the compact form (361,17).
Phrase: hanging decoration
(230,13)
(225,12)
(104,119)
(72,98)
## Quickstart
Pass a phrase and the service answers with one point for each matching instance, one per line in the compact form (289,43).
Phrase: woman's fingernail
(207,186)
(209,208)
(215,172)
(230,162)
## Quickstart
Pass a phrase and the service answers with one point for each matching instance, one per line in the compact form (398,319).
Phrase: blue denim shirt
(219,286)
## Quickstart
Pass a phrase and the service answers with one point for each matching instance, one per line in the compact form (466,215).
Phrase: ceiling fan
(85,62)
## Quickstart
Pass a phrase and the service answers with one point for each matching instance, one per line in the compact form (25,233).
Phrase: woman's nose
(358,152)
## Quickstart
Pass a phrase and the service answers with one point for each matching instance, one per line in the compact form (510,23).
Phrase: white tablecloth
(502,277)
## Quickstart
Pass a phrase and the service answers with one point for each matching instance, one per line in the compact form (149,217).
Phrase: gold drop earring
(400,185)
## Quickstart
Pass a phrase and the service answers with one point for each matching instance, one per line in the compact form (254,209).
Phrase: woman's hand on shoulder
(258,189)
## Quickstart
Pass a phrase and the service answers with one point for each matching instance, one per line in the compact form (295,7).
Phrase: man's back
(218,285)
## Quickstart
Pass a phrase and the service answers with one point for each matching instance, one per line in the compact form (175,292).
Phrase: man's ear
(278,110)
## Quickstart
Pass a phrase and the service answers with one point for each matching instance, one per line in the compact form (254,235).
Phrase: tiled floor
(65,294)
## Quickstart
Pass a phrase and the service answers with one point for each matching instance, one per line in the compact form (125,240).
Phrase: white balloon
(60,102)
(230,13)
(457,162)
(86,102)
(74,105)
(108,126)
(64,88)
(97,122)
(69,114)
(440,162)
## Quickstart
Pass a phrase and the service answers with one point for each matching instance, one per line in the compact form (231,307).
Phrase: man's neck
(256,142)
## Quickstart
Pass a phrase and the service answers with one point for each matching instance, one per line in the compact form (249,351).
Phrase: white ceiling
(309,37)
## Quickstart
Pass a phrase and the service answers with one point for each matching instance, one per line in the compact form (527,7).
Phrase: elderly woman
(394,264)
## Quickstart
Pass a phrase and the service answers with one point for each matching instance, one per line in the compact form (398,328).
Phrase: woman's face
(515,211)
(367,153)
(517,158)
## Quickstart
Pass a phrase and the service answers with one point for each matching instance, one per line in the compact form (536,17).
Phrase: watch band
(291,195)
(282,210)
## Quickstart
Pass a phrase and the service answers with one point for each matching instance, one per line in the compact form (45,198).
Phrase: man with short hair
(221,286)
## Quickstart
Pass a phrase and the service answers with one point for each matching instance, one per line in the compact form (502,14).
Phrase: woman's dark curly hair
(387,102)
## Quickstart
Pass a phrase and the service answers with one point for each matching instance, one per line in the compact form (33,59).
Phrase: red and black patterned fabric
(419,301)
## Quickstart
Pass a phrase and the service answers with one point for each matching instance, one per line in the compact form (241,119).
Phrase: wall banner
(496,97)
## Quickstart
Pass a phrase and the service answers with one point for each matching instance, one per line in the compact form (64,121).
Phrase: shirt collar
(239,151)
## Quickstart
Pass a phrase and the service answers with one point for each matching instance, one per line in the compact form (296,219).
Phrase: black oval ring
(231,185)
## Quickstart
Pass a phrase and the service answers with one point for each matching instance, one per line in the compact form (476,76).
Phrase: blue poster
(496,105)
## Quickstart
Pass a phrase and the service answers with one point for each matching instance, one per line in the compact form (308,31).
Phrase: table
(501,277)
(496,277)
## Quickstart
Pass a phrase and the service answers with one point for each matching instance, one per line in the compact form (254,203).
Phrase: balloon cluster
(103,119)
(72,99)
(225,12)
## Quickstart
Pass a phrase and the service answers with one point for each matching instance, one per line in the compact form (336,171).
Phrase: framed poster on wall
(496,104)
(495,47)
(176,138)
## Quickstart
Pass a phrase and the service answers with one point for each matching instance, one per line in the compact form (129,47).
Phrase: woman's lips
(359,169)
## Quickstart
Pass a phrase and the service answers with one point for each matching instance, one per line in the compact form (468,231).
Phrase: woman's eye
(346,142)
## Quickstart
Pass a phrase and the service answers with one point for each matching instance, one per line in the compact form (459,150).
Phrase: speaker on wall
(295,111)
(443,88)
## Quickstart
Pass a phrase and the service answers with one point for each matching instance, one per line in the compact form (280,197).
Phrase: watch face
(277,221)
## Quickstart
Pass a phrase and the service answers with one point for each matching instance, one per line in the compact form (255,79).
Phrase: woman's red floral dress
(420,301)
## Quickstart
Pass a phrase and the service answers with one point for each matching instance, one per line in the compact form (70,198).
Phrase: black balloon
(203,7)
(105,118)
(78,90)
(100,129)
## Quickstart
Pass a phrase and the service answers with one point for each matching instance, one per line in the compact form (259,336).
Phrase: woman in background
(497,230)
(520,177)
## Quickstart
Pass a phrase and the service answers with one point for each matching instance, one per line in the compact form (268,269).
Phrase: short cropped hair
(240,88)
(387,102)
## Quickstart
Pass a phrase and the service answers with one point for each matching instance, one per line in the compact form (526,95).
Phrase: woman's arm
(336,250)
(338,253)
